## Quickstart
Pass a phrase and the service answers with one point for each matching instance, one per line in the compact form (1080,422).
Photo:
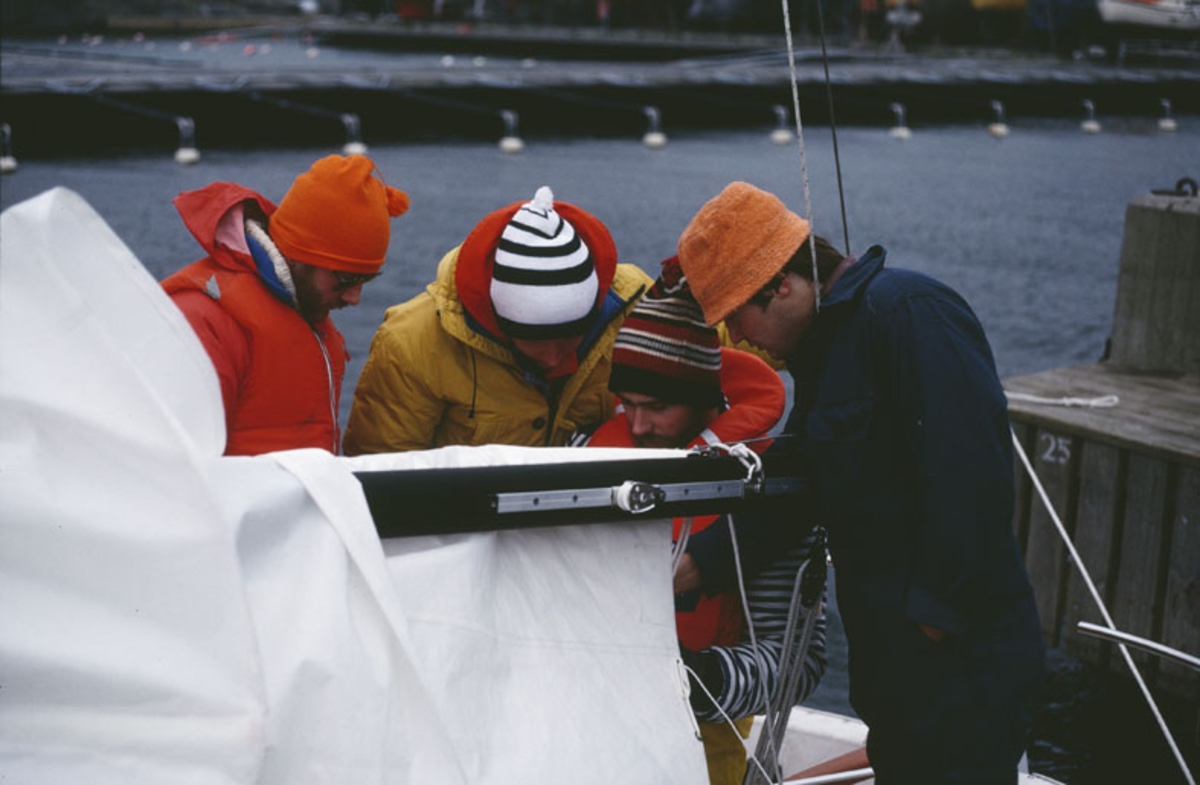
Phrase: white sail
(170,615)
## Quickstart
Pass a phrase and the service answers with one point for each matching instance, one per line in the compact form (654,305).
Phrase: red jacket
(756,397)
(281,377)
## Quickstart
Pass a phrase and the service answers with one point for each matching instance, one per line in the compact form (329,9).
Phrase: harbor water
(1027,227)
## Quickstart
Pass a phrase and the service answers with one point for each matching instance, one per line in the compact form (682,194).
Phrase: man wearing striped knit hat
(678,387)
(511,343)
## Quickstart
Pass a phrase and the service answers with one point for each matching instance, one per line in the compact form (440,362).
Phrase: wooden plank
(1053,459)
(1156,414)
(1182,349)
(1133,607)
(1133,289)
(1097,539)
(1181,604)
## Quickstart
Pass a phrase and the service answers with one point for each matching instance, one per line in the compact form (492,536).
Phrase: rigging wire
(770,737)
(768,730)
(808,213)
(837,161)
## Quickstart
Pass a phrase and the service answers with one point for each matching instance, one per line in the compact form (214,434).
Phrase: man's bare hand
(932,633)
(687,575)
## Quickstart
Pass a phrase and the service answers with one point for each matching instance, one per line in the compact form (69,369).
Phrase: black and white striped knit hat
(544,282)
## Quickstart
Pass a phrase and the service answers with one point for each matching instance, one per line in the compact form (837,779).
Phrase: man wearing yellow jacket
(512,344)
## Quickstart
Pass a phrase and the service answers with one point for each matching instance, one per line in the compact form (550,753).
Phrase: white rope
(854,775)
(1099,402)
(812,243)
(753,645)
(768,724)
(751,460)
(791,667)
(769,738)
(1091,586)
(680,547)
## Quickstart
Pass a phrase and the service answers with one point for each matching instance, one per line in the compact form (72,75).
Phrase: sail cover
(171,615)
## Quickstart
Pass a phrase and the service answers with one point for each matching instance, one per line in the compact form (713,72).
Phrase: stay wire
(812,244)
(837,161)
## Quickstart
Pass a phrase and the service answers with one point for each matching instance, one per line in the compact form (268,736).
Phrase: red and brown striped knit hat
(664,348)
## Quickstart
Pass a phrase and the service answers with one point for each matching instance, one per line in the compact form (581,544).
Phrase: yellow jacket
(434,377)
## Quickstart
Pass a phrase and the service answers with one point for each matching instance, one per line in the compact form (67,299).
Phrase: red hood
(203,209)
(473,275)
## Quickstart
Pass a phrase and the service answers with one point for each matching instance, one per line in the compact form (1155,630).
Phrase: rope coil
(1098,402)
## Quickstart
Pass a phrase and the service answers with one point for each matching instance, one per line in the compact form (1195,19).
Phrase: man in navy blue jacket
(904,424)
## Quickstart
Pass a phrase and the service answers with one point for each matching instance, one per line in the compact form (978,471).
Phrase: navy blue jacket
(904,423)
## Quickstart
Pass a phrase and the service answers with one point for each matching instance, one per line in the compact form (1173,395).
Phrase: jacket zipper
(332,397)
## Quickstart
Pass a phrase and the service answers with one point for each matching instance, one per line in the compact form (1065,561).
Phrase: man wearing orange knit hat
(260,300)
(902,419)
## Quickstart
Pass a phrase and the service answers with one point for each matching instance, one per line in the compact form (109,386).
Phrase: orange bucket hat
(735,244)
(337,215)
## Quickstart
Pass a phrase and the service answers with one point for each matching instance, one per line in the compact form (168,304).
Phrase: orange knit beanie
(338,215)
(735,244)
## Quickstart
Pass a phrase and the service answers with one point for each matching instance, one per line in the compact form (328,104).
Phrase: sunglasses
(344,281)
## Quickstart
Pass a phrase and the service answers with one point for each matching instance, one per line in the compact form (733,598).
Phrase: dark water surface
(1028,228)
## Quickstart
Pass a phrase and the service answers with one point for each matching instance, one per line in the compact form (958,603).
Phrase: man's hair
(828,258)
(800,263)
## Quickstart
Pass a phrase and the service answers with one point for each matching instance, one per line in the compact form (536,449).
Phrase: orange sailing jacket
(281,377)
(756,398)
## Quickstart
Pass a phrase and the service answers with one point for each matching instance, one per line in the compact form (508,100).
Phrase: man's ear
(785,286)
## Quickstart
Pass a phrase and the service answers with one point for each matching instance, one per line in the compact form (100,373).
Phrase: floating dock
(404,82)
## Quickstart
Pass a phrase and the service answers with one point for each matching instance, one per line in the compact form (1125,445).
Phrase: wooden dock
(1125,479)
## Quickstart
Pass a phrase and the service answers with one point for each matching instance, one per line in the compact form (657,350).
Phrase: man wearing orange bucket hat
(901,415)
(260,300)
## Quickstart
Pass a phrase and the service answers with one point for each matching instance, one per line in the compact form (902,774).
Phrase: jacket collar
(846,290)
(856,277)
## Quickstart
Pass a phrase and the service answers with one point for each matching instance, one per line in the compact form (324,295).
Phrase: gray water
(1028,228)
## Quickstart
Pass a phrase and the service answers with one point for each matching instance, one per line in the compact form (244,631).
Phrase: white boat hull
(1180,15)
(814,736)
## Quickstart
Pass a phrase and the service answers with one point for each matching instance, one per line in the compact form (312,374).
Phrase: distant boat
(1178,15)
(998,5)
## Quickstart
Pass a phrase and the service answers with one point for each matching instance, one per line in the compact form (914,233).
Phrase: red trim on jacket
(757,398)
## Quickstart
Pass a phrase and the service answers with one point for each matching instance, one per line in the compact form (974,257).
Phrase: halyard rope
(791,661)
(680,547)
(812,243)
(769,737)
(768,720)
(1099,402)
